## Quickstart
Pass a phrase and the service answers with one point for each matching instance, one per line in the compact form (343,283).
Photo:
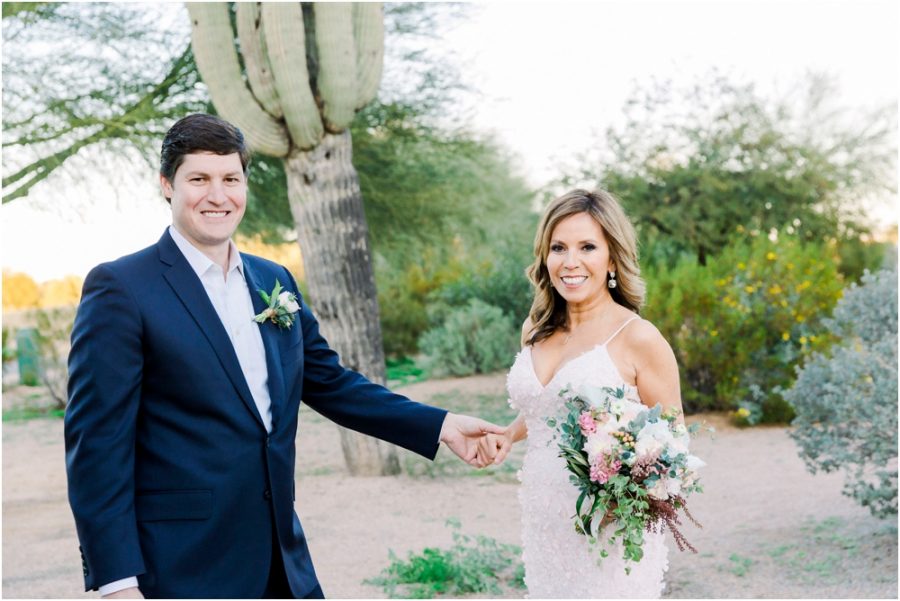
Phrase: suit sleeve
(351,400)
(105,366)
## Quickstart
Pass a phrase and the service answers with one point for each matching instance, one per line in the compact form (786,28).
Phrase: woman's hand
(493,448)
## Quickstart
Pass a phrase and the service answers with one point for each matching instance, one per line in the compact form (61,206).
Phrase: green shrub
(9,352)
(858,256)
(846,399)
(741,323)
(402,371)
(476,338)
(500,281)
(402,298)
(478,566)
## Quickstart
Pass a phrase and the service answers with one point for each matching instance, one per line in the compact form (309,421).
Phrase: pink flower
(599,474)
(587,423)
(603,470)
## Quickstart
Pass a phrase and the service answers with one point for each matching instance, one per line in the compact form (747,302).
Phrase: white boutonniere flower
(282,309)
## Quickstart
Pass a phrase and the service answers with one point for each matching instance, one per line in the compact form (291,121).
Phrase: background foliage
(741,323)
(846,397)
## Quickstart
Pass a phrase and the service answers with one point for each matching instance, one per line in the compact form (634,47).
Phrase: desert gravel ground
(770,529)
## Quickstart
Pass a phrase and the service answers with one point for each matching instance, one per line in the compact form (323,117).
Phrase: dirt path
(770,528)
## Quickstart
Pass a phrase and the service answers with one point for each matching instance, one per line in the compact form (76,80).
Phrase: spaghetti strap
(622,327)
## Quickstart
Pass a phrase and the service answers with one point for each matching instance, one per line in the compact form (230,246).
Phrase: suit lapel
(269,332)
(190,290)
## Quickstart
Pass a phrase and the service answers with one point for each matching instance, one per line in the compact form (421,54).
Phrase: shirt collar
(199,262)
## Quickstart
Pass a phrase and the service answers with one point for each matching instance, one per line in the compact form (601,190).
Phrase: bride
(583,329)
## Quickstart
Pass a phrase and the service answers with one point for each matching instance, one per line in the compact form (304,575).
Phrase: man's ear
(166,187)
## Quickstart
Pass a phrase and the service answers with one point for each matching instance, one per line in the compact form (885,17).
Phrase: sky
(549,78)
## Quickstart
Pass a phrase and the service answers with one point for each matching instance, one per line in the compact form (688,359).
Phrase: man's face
(208,196)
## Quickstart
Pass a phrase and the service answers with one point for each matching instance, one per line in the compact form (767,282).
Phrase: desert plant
(475,338)
(307,69)
(741,323)
(54,328)
(846,399)
(469,566)
(9,353)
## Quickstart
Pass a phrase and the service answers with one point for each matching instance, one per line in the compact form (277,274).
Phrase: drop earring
(612,280)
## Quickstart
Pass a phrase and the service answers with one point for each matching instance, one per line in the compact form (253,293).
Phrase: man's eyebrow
(205,174)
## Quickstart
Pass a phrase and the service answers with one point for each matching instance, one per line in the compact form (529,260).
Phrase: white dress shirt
(230,296)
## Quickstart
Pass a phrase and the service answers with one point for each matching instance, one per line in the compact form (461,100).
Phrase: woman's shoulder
(644,337)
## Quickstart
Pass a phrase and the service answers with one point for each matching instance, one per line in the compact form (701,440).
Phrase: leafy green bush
(858,256)
(402,371)
(9,353)
(741,323)
(475,338)
(846,399)
(499,281)
(478,566)
(403,297)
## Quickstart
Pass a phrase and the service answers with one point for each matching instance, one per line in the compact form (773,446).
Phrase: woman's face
(578,260)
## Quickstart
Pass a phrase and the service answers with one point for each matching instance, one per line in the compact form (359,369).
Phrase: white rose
(653,436)
(673,486)
(648,446)
(631,410)
(617,407)
(595,396)
(679,445)
(658,430)
(694,463)
(598,443)
(659,490)
(691,466)
(286,300)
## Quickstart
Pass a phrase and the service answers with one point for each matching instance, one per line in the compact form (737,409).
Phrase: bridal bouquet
(628,461)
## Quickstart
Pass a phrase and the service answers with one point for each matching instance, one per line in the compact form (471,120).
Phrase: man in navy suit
(183,410)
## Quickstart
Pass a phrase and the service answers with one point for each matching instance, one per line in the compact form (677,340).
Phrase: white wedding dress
(559,562)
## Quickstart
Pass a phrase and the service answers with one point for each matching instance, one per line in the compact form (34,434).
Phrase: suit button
(267,495)
(268,441)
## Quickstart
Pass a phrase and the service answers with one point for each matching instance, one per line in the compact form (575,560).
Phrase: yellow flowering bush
(740,324)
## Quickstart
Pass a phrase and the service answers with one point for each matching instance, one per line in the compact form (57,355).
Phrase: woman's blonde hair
(548,310)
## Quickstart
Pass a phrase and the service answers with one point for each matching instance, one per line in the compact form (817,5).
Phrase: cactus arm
(217,61)
(337,63)
(286,42)
(253,49)
(368,30)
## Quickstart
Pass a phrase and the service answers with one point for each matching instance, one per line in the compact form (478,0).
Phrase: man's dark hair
(200,133)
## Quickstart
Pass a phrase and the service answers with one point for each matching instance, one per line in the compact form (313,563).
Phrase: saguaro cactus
(309,67)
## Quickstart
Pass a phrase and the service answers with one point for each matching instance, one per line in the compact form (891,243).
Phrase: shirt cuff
(118,585)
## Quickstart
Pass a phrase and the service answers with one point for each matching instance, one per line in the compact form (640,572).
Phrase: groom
(182,410)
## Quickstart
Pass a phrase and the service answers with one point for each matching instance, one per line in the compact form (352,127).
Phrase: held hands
(493,448)
(463,435)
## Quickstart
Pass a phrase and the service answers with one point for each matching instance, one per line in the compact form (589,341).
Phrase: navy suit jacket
(172,476)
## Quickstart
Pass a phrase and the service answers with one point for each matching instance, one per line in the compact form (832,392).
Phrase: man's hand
(461,434)
(126,593)
(494,448)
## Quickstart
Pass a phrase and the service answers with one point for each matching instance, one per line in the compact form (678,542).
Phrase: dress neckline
(568,362)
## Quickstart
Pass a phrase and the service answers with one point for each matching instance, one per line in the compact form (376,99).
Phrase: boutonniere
(282,309)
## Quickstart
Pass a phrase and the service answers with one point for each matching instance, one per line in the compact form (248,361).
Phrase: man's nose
(216,193)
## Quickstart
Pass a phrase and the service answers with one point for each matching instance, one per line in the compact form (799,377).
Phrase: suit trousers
(277,586)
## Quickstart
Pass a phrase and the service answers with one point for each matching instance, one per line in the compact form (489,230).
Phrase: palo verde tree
(303,72)
(77,80)
(697,165)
